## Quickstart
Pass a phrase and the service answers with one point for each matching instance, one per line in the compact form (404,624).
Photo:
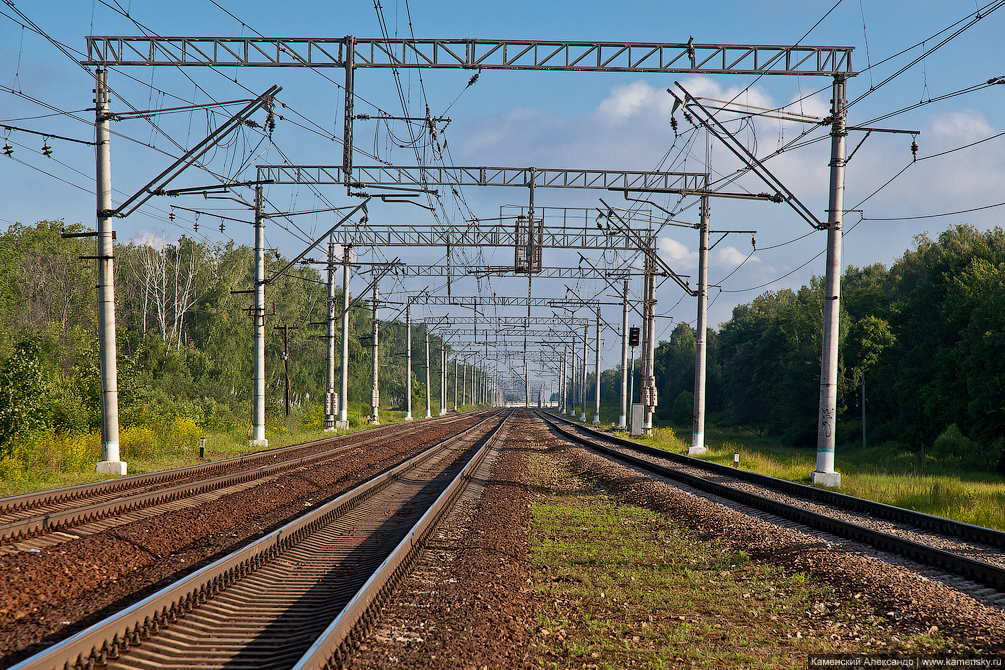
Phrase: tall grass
(886,474)
(54,460)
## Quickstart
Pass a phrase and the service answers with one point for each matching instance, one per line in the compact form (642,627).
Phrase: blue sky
(572,120)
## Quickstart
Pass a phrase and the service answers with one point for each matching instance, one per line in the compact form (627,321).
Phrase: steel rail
(115,635)
(335,644)
(975,570)
(263,463)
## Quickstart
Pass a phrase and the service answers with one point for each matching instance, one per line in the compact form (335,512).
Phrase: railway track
(37,520)
(971,552)
(301,596)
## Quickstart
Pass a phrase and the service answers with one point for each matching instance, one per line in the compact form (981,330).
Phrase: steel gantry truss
(351,53)
(443,270)
(561,228)
(470,54)
(422,176)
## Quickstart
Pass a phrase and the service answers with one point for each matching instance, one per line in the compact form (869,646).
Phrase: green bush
(682,413)
(953,448)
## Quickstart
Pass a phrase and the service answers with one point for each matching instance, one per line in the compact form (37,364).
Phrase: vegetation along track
(301,596)
(35,520)
(972,552)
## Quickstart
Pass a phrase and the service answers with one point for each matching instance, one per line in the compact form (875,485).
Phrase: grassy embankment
(623,586)
(55,461)
(882,473)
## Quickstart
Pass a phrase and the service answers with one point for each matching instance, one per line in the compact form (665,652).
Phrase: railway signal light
(633,336)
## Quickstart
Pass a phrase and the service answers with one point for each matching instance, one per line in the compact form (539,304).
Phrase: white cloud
(677,254)
(729,257)
(632,100)
(149,238)
(962,125)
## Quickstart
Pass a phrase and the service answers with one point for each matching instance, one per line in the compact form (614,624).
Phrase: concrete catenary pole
(649,378)
(375,381)
(258,401)
(443,378)
(464,382)
(330,404)
(596,369)
(408,361)
(343,408)
(429,396)
(562,375)
(109,463)
(582,378)
(825,473)
(455,382)
(698,426)
(573,377)
(623,415)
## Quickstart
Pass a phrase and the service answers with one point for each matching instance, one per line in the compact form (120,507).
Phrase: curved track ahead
(972,552)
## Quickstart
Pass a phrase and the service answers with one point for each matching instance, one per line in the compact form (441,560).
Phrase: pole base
(596,420)
(258,443)
(831,480)
(696,451)
(408,417)
(117,468)
(329,429)
(443,412)
(342,425)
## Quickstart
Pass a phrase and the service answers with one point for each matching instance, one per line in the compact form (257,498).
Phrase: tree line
(184,337)
(923,342)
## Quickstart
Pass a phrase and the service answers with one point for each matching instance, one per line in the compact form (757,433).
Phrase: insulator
(8,150)
(753,243)
(221,226)
(914,149)
(46,149)
(171,216)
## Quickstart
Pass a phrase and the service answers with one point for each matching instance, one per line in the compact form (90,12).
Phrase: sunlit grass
(56,461)
(884,474)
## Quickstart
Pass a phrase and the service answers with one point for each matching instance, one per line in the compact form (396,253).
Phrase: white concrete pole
(330,376)
(258,402)
(343,407)
(464,382)
(109,463)
(698,426)
(429,396)
(443,378)
(622,417)
(582,383)
(596,368)
(825,473)
(375,381)
(649,378)
(455,382)
(574,378)
(562,377)
(408,362)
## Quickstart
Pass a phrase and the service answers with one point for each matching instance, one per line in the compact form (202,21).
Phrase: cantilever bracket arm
(650,253)
(157,184)
(316,242)
(377,277)
(712,125)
